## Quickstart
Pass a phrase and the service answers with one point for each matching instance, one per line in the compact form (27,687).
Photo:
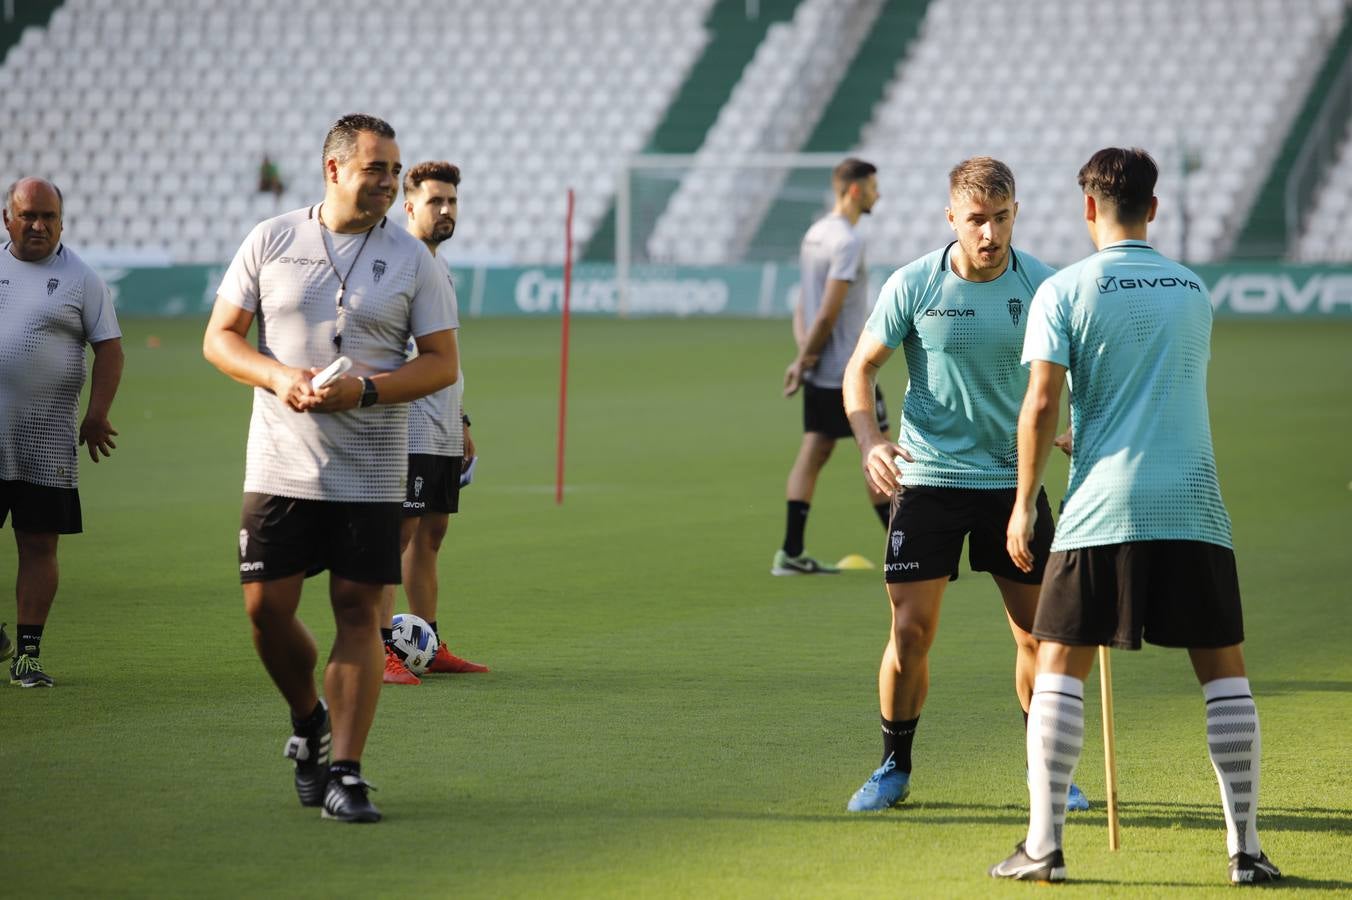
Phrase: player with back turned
(1143,547)
(959,315)
(325,470)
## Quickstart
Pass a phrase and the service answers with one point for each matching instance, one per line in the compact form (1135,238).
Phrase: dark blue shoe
(885,788)
(26,672)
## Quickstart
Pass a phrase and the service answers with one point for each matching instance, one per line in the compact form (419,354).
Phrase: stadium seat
(233,89)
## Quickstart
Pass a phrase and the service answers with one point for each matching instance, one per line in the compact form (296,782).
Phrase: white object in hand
(338,367)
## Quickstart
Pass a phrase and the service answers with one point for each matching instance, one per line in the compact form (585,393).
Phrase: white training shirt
(395,291)
(832,250)
(434,425)
(50,309)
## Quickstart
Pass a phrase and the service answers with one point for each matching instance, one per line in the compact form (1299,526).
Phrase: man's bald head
(24,186)
(33,218)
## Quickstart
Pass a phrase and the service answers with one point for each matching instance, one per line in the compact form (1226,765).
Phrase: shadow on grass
(1263,688)
(1270,818)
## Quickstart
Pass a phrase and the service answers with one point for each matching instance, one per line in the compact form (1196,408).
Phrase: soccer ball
(415,643)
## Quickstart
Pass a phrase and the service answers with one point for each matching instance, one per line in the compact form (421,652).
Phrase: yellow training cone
(854,561)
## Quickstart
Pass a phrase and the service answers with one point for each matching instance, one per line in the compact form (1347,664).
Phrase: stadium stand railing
(716,211)
(1319,190)
(841,125)
(736,29)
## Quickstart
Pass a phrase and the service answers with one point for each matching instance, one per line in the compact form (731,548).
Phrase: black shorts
(924,539)
(824,411)
(282,536)
(1176,593)
(40,509)
(433,484)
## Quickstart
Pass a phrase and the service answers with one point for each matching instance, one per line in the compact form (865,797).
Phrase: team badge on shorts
(243,541)
(898,538)
(417,487)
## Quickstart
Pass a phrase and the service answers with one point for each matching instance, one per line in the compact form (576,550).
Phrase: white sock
(1234,742)
(1055,737)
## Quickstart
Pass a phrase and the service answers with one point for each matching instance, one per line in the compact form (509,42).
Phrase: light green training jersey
(962,341)
(1133,329)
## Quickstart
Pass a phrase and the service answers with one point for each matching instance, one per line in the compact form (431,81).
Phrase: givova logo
(1258,293)
(1109,283)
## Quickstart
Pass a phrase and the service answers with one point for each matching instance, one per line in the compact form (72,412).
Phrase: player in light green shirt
(1143,546)
(959,314)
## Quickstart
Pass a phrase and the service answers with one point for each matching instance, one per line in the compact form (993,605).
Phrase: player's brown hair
(1122,178)
(431,170)
(850,170)
(981,176)
(341,141)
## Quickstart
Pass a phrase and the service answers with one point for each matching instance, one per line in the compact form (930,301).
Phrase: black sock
(340,767)
(884,511)
(797,524)
(310,722)
(433,625)
(897,738)
(29,639)
(387,636)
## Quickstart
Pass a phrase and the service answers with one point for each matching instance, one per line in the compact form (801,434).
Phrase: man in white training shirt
(51,304)
(831,312)
(439,444)
(324,480)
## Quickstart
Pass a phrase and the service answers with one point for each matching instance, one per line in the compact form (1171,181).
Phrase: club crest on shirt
(52,285)
(898,538)
(1015,309)
(377,269)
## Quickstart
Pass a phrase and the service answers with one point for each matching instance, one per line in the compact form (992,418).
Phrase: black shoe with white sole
(311,754)
(1246,869)
(345,800)
(1022,867)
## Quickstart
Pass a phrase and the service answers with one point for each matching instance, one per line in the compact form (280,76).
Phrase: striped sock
(1055,737)
(1234,741)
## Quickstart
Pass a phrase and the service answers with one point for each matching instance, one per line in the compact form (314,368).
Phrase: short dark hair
(341,141)
(1123,178)
(851,171)
(431,170)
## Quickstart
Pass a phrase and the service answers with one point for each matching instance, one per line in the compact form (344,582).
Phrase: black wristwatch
(369,394)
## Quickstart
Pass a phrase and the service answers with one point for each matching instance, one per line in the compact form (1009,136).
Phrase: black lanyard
(341,314)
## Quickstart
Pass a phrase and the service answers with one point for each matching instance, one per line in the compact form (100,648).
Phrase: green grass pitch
(663,718)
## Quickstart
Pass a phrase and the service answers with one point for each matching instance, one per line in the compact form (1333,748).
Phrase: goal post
(700,209)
